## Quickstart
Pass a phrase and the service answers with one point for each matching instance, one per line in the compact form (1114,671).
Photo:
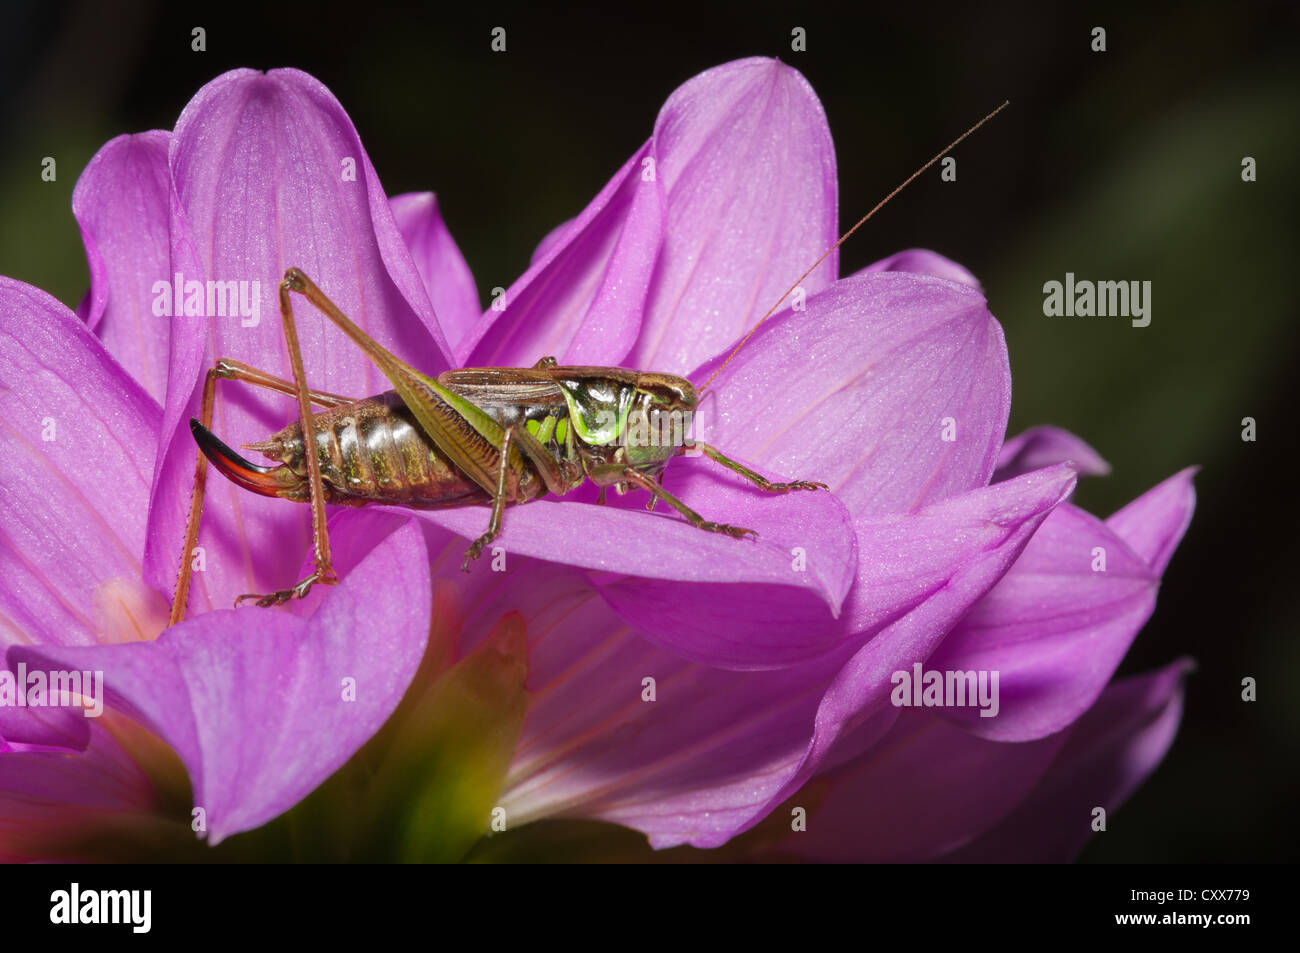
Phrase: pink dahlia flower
(623,666)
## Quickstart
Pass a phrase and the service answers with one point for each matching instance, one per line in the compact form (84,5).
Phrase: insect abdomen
(371,451)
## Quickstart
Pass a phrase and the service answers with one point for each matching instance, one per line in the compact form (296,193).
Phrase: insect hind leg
(231,370)
(324,571)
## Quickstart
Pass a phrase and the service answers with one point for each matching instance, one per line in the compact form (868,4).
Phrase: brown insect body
(370,451)
(373,450)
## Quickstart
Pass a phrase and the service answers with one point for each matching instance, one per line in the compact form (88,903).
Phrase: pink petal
(904,559)
(775,613)
(442,267)
(1043,446)
(717,750)
(1109,752)
(590,746)
(260,176)
(862,687)
(552,240)
(861,390)
(46,797)
(121,205)
(926,788)
(255,701)
(582,300)
(76,454)
(1154,523)
(1055,628)
(922,261)
(746,164)
(49,727)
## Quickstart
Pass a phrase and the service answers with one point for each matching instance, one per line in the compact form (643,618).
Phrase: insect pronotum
(475,436)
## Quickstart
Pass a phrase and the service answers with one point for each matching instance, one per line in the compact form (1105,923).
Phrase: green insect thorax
(646,415)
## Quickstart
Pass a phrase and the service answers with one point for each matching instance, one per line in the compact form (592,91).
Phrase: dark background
(1117,165)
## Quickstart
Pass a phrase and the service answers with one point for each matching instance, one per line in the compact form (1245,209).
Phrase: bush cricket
(489,436)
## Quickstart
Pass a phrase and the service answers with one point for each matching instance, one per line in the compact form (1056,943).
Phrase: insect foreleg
(637,478)
(758,480)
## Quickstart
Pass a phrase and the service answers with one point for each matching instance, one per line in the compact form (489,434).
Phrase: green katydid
(474,436)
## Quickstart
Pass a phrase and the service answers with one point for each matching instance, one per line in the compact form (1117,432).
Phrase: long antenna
(843,238)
